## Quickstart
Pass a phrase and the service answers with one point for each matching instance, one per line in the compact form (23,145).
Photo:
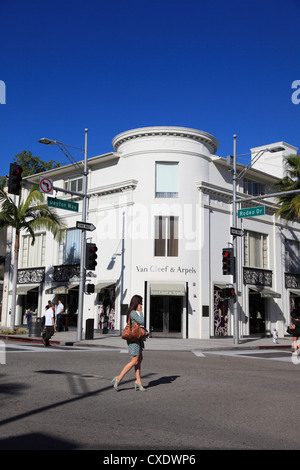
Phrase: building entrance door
(257,312)
(166,315)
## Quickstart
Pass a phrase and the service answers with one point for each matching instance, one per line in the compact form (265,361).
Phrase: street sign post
(61,204)
(251,212)
(85,226)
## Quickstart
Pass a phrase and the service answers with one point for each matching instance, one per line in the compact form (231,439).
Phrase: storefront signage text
(165,269)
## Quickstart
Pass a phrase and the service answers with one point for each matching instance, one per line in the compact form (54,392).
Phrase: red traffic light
(15,178)
(91,256)
(227,261)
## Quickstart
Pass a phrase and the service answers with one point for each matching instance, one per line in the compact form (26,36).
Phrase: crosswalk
(283,355)
(269,354)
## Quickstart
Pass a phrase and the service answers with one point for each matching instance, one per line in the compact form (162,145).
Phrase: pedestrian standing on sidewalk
(59,317)
(50,327)
(135,313)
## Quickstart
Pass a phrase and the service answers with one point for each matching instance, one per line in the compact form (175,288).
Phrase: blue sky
(223,67)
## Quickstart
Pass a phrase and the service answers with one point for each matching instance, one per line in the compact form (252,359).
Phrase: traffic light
(227,261)
(15,178)
(227,293)
(90,288)
(91,256)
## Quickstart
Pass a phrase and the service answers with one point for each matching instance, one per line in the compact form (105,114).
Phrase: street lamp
(235,178)
(62,146)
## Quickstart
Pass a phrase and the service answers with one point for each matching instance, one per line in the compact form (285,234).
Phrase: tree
(29,215)
(290,203)
(31,165)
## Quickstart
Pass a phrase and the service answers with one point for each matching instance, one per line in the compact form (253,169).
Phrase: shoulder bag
(133,332)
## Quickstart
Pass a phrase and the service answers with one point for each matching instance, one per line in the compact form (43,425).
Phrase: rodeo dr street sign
(251,212)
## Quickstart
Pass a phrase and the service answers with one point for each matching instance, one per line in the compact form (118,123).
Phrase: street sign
(85,226)
(61,204)
(46,185)
(238,232)
(251,212)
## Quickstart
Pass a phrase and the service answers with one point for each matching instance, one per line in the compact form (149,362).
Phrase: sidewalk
(69,338)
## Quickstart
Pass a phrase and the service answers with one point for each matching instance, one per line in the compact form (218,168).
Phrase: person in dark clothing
(294,328)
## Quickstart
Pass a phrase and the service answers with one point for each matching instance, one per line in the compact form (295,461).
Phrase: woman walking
(134,313)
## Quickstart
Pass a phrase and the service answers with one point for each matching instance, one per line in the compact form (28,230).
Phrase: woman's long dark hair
(135,301)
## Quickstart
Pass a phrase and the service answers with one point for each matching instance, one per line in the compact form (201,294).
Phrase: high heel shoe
(116,382)
(139,387)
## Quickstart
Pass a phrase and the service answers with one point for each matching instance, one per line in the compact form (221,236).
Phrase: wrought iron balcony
(31,275)
(66,272)
(257,277)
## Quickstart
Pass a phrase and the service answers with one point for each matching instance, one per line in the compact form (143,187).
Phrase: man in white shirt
(50,327)
(59,318)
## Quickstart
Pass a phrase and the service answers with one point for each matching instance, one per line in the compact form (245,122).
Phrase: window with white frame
(254,188)
(166,236)
(74,184)
(166,179)
(292,258)
(256,250)
(69,249)
(33,256)
(72,246)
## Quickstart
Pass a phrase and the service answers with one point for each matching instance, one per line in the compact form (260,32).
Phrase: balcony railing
(257,277)
(64,273)
(31,275)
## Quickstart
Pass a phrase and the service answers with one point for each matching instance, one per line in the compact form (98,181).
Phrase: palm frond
(289,204)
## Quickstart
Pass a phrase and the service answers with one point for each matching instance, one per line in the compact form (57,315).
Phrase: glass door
(166,315)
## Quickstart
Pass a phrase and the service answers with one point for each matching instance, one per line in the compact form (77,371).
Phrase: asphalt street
(62,398)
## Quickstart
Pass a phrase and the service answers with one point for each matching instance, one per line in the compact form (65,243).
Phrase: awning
(22,289)
(295,292)
(266,293)
(64,289)
(167,289)
(103,284)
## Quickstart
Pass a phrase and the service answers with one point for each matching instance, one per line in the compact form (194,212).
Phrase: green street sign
(60,204)
(251,212)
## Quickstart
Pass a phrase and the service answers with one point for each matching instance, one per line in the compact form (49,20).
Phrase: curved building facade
(161,203)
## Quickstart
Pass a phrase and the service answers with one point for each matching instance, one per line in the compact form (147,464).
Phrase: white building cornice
(165,131)
(114,188)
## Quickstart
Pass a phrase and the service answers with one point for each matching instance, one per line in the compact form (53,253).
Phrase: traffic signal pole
(83,243)
(235,264)
(85,197)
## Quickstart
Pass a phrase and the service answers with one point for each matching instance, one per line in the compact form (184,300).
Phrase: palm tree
(290,203)
(31,214)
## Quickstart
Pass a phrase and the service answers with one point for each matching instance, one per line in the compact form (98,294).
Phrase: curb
(25,339)
(36,340)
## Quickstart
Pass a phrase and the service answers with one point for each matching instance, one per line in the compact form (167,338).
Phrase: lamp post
(235,178)
(84,214)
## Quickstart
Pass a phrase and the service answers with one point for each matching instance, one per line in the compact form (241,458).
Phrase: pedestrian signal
(228,293)
(90,288)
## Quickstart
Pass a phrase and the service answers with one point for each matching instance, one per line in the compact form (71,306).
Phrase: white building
(162,206)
